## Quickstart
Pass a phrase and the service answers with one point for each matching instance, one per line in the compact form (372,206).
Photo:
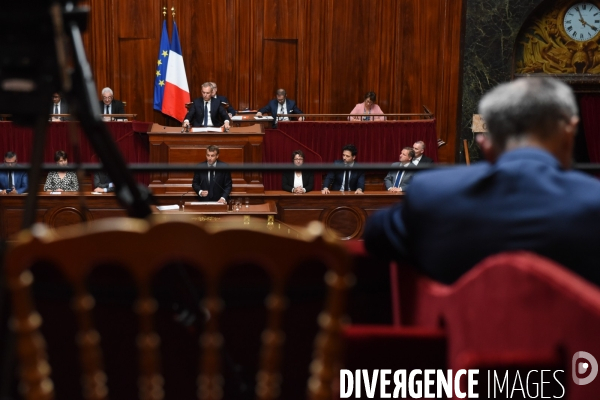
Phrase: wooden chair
(142,248)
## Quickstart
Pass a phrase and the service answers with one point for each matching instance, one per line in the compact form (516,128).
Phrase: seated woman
(297,182)
(63,181)
(366,108)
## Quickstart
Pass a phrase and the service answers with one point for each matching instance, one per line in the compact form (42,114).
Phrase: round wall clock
(581,21)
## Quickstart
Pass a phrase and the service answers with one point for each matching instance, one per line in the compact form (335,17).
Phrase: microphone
(217,183)
(181,199)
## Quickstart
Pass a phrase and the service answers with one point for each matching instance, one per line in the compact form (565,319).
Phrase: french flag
(177,92)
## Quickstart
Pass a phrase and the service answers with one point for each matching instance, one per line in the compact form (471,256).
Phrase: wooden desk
(263,213)
(248,120)
(240,145)
(342,214)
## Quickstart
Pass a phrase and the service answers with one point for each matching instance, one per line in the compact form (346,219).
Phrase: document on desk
(207,129)
(167,208)
(237,118)
(204,203)
(263,117)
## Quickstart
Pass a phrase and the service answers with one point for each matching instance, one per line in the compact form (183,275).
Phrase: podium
(241,145)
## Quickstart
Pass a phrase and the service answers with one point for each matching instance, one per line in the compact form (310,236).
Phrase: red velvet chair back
(513,308)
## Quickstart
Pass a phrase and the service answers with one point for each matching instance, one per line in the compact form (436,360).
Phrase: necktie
(56,109)
(212,181)
(346,179)
(10,180)
(398,179)
(206,113)
(280,111)
(106,110)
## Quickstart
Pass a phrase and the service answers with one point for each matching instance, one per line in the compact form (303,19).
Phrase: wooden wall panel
(133,17)
(280,19)
(278,74)
(139,98)
(325,53)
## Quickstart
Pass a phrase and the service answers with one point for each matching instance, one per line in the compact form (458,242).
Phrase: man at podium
(206,111)
(214,184)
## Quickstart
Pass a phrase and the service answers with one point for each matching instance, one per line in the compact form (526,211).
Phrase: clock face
(582,21)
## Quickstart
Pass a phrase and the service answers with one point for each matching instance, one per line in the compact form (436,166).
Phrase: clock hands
(581,18)
(583,21)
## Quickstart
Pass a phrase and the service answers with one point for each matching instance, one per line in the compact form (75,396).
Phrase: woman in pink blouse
(367,109)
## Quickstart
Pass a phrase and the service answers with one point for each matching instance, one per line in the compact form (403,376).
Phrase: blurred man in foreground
(522,199)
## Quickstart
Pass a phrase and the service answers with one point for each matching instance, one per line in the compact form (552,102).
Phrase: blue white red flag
(176,92)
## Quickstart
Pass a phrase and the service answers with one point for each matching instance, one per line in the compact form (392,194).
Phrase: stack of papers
(166,208)
(209,129)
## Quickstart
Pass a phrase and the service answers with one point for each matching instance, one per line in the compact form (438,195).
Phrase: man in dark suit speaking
(214,184)
(206,111)
(280,105)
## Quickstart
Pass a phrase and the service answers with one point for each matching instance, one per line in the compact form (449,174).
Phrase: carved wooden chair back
(143,248)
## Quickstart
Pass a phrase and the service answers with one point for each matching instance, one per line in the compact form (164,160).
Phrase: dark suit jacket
(196,113)
(335,178)
(287,180)
(273,109)
(223,99)
(453,218)
(64,109)
(21,181)
(390,178)
(221,187)
(102,180)
(426,160)
(117,107)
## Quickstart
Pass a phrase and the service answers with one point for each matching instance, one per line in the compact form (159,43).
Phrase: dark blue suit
(453,218)
(20,181)
(273,109)
(195,115)
(221,187)
(224,99)
(335,178)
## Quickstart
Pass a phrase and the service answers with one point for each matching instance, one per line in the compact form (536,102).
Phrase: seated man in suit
(59,106)
(350,180)
(297,182)
(397,180)
(223,99)
(206,111)
(12,182)
(280,105)
(524,198)
(212,185)
(108,105)
(419,148)
(103,183)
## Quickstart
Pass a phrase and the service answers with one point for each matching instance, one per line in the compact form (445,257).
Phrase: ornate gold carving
(205,219)
(544,47)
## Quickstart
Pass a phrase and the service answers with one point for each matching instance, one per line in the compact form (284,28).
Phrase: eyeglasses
(107,97)
(10,162)
(298,159)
